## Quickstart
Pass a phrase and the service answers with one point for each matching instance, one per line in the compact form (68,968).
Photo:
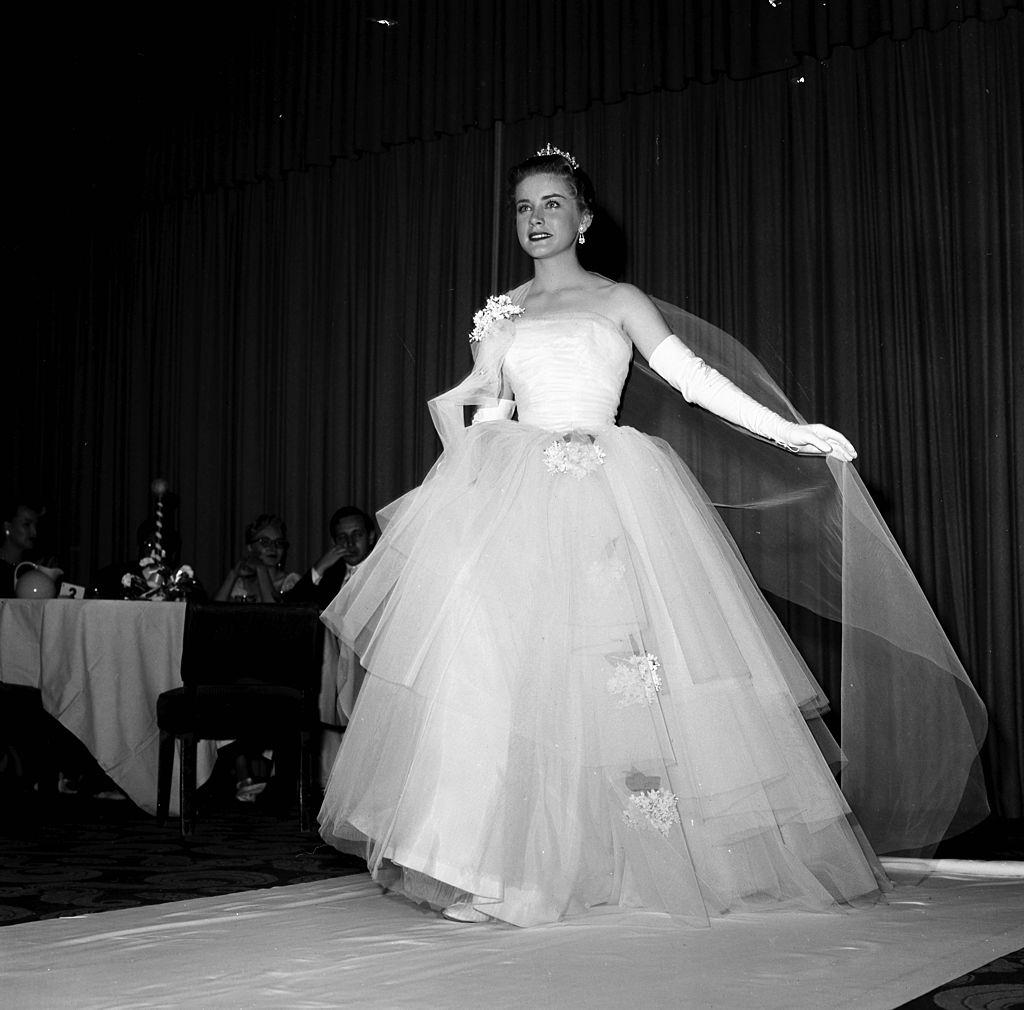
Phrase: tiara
(549,150)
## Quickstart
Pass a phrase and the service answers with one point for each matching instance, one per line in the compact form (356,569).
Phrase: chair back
(249,671)
(252,643)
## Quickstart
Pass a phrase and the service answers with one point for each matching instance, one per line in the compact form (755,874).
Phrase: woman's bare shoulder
(620,300)
(628,294)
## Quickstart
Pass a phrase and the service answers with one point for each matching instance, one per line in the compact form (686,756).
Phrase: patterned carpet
(998,985)
(70,855)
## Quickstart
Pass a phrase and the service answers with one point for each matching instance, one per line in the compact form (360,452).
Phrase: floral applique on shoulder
(497,309)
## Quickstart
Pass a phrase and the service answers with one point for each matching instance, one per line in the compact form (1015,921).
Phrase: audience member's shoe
(67,786)
(109,794)
(248,790)
(463,911)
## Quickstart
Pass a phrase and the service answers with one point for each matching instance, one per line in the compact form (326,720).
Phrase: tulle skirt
(576,696)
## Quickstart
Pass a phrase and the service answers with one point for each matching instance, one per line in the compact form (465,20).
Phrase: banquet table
(101,664)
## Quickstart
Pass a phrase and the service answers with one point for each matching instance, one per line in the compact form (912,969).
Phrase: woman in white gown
(575,693)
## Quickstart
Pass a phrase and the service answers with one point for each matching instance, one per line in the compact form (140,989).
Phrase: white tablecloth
(341,677)
(100,666)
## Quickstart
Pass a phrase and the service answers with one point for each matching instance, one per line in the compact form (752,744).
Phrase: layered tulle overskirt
(576,695)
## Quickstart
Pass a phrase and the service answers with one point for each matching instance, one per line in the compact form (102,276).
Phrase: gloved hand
(701,384)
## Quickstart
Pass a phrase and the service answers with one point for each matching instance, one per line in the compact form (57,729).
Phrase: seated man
(353,535)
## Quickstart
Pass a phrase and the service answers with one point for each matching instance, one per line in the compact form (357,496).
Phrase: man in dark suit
(353,535)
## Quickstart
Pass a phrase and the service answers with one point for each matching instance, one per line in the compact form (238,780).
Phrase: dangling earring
(581,235)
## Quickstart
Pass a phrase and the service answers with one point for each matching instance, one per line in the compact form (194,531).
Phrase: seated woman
(20,528)
(259,577)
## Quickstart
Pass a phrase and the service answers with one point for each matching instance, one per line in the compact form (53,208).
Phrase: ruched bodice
(567,370)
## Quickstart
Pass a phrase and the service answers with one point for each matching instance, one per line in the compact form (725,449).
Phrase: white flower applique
(574,457)
(636,680)
(498,307)
(652,810)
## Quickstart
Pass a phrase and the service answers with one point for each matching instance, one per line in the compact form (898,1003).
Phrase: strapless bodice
(567,370)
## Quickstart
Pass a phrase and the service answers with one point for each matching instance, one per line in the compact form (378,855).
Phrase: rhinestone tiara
(549,149)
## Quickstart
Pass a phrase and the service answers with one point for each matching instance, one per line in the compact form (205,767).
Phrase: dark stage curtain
(856,220)
(857,224)
(265,88)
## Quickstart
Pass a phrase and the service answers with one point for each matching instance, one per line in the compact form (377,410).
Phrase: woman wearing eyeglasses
(259,577)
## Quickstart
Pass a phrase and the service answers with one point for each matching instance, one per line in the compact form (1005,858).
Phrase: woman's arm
(245,567)
(703,385)
(265,588)
(503,407)
(225,589)
(640,318)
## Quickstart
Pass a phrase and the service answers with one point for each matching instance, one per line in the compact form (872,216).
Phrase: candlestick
(159,487)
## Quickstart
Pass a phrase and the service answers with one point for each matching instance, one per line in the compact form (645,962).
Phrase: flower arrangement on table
(156,580)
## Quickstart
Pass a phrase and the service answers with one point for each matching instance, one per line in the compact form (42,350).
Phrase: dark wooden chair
(248,671)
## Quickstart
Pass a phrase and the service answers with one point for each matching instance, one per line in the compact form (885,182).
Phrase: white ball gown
(575,693)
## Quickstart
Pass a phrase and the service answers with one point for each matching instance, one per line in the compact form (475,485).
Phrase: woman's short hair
(262,521)
(559,165)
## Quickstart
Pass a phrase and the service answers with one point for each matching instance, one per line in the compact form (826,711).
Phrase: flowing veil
(911,723)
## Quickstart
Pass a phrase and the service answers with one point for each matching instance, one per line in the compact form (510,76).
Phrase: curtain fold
(240,95)
(857,222)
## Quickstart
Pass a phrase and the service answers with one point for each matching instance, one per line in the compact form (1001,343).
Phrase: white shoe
(463,911)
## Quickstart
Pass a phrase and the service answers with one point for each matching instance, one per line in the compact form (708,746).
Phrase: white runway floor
(340,943)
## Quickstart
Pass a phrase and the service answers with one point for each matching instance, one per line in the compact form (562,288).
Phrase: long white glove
(701,384)
(501,411)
